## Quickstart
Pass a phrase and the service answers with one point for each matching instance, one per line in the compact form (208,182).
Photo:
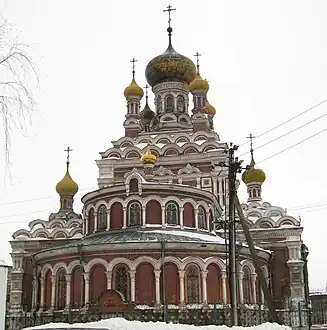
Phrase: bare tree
(17,76)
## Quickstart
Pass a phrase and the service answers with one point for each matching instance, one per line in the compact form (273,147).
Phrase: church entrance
(110,301)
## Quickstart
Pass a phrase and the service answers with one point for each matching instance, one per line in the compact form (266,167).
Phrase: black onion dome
(170,66)
(146,114)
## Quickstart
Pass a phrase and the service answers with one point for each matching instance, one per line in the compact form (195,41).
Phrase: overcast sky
(265,62)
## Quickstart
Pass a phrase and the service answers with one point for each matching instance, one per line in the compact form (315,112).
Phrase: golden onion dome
(133,89)
(170,66)
(148,157)
(67,186)
(199,84)
(253,174)
(211,109)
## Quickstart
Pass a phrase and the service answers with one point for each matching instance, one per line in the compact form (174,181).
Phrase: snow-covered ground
(122,324)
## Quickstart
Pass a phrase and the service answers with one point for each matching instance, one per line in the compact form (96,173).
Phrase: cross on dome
(133,66)
(197,55)
(169,30)
(68,150)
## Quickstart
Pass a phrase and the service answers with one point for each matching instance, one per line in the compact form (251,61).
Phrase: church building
(152,234)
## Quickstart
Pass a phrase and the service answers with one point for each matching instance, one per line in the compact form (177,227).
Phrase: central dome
(170,66)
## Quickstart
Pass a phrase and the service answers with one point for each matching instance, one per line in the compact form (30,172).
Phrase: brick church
(151,234)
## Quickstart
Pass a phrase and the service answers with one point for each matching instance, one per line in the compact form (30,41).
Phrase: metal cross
(169,10)
(146,90)
(197,55)
(68,150)
(251,137)
(133,67)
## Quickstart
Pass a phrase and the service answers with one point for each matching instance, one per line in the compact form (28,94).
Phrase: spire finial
(197,55)
(68,150)
(133,66)
(251,137)
(169,30)
(146,93)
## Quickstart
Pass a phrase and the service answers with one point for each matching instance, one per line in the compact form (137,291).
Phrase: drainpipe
(164,302)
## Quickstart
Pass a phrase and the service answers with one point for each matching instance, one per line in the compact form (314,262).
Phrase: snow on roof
(118,323)
(201,236)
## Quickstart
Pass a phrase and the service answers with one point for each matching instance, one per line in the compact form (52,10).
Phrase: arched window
(134,214)
(159,104)
(133,185)
(61,289)
(180,103)
(247,288)
(121,281)
(172,214)
(254,193)
(102,218)
(202,221)
(169,103)
(192,283)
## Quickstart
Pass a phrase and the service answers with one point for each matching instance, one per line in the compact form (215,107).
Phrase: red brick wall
(214,284)
(172,283)
(98,282)
(153,212)
(116,216)
(188,215)
(145,284)
(28,284)
(91,222)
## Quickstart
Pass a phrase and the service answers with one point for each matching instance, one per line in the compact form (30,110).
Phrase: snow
(122,324)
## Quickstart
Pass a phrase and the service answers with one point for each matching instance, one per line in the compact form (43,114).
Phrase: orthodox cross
(146,91)
(169,10)
(133,66)
(251,137)
(68,150)
(197,55)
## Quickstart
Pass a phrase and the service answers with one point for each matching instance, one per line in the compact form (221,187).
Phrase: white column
(196,218)
(181,219)
(68,278)
(109,276)
(253,283)
(132,277)
(143,216)
(53,291)
(214,182)
(157,277)
(262,297)
(224,287)
(42,280)
(220,191)
(95,222)
(204,274)
(124,217)
(181,286)
(108,218)
(34,292)
(86,229)
(240,287)
(87,288)
(208,221)
(198,183)
(163,216)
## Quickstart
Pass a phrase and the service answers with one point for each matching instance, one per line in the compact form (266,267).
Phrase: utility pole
(233,167)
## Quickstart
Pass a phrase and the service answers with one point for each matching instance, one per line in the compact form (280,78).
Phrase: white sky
(265,61)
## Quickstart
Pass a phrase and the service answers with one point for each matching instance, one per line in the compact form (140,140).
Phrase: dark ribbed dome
(170,66)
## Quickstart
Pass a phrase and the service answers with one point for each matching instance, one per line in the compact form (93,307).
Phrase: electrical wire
(287,133)
(292,146)
(285,122)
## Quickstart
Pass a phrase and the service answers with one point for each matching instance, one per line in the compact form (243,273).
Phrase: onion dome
(253,174)
(170,66)
(148,157)
(67,186)
(133,90)
(146,114)
(199,84)
(211,109)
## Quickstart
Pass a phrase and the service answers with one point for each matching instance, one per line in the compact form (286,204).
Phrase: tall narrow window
(102,217)
(247,288)
(133,185)
(172,214)
(180,103)
(169,103)
(202,221)
(192,282)
(61,289)
(134,214)
(121,281)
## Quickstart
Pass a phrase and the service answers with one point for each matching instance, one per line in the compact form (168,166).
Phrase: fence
(293,317)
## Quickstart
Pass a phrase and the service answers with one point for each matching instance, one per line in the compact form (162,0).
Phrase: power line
(292,146)
(287,121)
(23,214)
(287,133)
